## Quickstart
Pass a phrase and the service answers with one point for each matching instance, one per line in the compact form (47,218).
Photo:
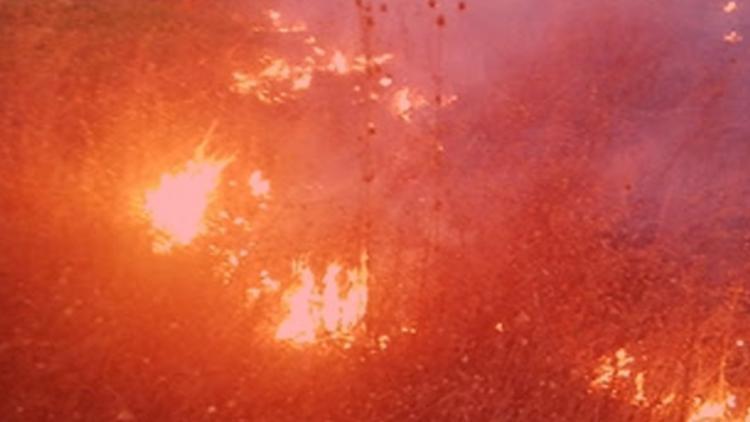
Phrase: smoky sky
(643,101)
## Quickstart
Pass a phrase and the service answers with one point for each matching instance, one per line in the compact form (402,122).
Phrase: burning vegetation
(439,210)
(177,207)
(325,307)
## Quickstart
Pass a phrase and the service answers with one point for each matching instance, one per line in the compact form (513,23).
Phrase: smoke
(640,100)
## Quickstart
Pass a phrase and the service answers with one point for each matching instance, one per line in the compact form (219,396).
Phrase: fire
(259,186)
(177,205)
(405,102)
(711,411)
(339,63)
(640,395)
(325,308)
(609,369)
(719,409)
(302,80)
(732,37)
(275,18)
(283,79)
(616,375)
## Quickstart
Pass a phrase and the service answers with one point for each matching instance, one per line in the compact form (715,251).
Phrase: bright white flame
(405,102)
(640,394)
(717,409)
(259,186)
(730,7)
(709,411)
(281,79)
(178,204)
(324,308)
(339,64)
(275,17)
(278,69)
(732,37)
(383,342)
(362,63)
(301,323)
(302,81)
(609,369)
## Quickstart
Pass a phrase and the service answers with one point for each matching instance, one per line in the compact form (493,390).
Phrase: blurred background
(360,210)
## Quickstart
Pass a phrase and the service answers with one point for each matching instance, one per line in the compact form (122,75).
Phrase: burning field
(366,210)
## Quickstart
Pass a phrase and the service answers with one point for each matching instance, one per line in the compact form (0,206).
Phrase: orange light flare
(326,308)
(177,206)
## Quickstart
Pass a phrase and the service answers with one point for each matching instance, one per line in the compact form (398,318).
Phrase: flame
(281,79)
(709,411)
(718,409)
(324,308)
(608,369)
(300,325)
(362,62)
(259,186)
(405,102)
(339,64)
(614,374)
(640,394)
(732,37)
(303,80)
(275,17)
(177,205)
(277,69)
(243,83)
(730,7)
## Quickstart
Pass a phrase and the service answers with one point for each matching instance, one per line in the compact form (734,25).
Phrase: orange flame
(732,37)
(259,186)
(721,406)
(710,411)
(322,308)
(177,206)
(339,64)
(405,102)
